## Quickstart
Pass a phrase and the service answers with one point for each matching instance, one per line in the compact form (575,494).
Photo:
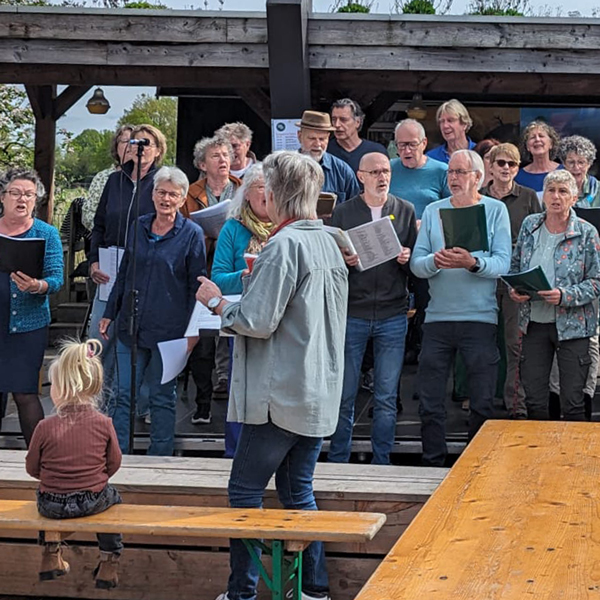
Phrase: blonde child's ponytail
(76,374)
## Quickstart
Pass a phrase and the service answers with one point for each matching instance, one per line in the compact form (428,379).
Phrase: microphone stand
(133,299)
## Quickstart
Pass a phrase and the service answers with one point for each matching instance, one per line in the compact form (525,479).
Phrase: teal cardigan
(229,260)
(32,311)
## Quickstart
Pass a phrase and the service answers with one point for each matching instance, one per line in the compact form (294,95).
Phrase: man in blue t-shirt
(347,119)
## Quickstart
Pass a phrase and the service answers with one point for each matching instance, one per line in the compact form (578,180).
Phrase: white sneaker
(305,596)
(222,597)
(148,419)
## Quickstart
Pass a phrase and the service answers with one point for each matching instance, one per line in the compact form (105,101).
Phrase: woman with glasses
(520,202)
(245,232)
(112,222)
(24,306)
(170,256)
(578,154)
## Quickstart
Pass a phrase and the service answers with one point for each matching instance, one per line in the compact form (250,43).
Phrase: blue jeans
(476,343)
(388,336)
(263,450)
(162,400)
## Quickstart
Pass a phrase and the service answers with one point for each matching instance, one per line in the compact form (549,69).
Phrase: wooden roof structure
(287,59)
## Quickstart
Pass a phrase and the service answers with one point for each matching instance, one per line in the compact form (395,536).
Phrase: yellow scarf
(259,229)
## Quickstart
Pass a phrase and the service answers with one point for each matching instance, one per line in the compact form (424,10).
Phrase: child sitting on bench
(73,454)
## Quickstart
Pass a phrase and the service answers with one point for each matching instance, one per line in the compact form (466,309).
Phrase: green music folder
(528,282)
(465,227)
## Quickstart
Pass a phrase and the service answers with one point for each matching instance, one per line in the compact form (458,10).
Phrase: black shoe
(220,391)
(202,415)
(587,407)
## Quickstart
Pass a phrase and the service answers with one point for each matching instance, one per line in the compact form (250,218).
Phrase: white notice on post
(109,260)
(284,134)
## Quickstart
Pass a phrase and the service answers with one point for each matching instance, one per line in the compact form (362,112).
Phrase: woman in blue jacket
(24,306)
(245,232)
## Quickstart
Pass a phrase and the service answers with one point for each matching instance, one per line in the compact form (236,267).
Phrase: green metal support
(285,569)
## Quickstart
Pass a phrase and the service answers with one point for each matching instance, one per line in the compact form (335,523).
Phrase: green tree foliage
(419,7)
(16,128)
(349,6)
(160,112)
(500,8)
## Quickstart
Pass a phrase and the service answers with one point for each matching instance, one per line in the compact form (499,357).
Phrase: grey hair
(295,180)
(457,109)
(28,175)
(357,111)
(579,145)
(238,129)
(252,175)
(205,144)
(476,163)
(173,175)
(561,176)
(412,122)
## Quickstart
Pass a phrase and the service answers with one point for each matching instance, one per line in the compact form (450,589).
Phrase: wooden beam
(378,107)
(67,98)
(258,101)
(42,103)
(289,75)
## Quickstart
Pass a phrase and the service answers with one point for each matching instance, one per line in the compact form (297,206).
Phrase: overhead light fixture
(98,104)
(417,109)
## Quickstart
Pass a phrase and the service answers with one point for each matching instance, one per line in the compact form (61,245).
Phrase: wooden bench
(290,530)
(397,492)
(517,517)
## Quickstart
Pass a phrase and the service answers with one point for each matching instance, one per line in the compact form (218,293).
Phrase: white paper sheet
(212,218)
(202,318)
(109,261)
(174,354)
(376,242)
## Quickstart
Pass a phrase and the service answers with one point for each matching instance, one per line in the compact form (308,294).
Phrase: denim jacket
(32,311)
(577,275)
(166,279)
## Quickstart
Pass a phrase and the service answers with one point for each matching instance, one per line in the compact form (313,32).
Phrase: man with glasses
(462,314)
(377,307)
(520,202)
(347,118)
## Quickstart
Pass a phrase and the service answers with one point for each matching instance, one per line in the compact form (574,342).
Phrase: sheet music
(174,355)
(202,318)
(212,218)
(109,261)
(376,242)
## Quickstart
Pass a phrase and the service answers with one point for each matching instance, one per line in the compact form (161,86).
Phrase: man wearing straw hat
(313,135)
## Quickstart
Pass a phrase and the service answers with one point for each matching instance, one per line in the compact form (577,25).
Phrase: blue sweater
(32,311)
(457,294)
(229,260)
(166,278)
(420,186)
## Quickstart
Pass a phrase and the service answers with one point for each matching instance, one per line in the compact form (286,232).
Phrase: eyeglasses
(377,172)
(257,186)
(511,163)
(581,163)
(17,194)
(165,194)
(411,145)
(459,172)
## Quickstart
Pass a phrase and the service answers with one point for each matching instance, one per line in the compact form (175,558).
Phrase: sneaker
(220,391)
(290,594)
(148,419)
(201,416)
(222,597)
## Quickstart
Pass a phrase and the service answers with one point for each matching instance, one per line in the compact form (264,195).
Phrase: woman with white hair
(170,255)
(563,319)
(289,357)
(246,231)
(578,154)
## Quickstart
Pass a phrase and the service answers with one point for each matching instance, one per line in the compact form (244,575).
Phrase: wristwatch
(476,266)
(213,303)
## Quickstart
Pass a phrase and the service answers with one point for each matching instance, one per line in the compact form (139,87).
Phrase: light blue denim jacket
(291,321)
(577,275)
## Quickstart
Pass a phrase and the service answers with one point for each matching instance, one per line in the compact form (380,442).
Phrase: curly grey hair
(239,130)
(17,173)
(253,174)
(205,144)
(578,144)
(295,180)
(550,132)
(561,176)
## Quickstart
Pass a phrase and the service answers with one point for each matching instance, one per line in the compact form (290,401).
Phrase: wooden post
(289,73)
(47,108)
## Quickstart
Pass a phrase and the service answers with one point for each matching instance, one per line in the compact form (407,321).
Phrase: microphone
(142,142)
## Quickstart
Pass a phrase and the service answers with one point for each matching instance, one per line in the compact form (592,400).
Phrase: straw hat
(312,119)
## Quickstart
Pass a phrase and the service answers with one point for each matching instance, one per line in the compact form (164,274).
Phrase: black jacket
(115,211)
(380,292)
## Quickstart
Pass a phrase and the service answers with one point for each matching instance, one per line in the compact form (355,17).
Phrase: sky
(120,98)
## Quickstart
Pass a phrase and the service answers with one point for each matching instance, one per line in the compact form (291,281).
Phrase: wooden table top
(517,517)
